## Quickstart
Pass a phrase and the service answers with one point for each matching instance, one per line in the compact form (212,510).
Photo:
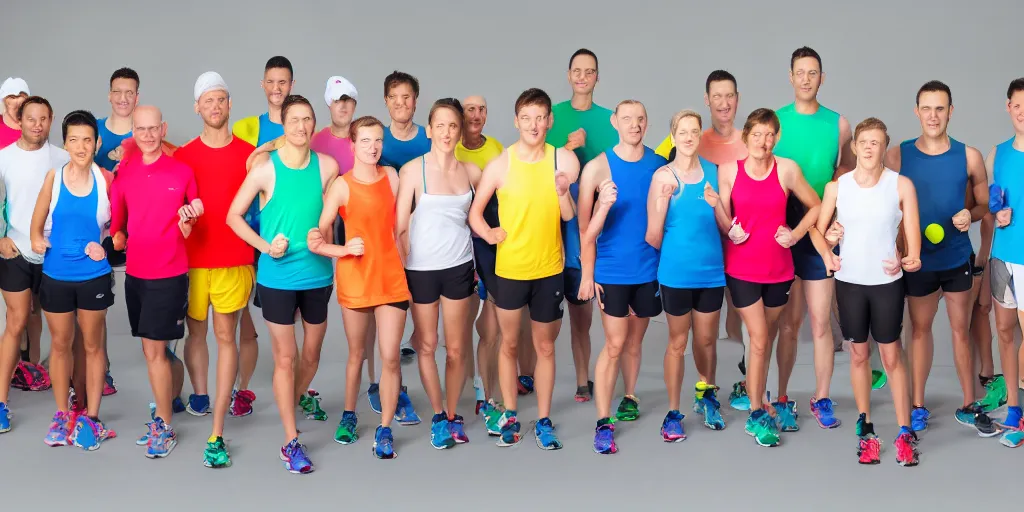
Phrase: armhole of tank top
(555,156)
(423,172)
(679,184)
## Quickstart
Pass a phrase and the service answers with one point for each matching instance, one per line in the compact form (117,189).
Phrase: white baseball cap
(13,87)
(337,87)
(209,81)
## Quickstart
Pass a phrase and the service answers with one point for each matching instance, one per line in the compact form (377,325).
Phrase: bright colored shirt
(760,207)
(109,141)
(256,130)
(144,203)
(713,147)
(529,214)
(219,173)
(812,141)
(23,173)
(691,252)
(340,149)
(8,135)
(482,155)
(72,224)
(1008,173)
(397,153)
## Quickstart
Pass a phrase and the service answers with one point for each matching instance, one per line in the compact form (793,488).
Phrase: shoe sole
(549,448)
(444,446)
(827,427)
(295,472)
(987,434)
(56,444)
(758,441)
(1008,444)
(503,444)
(673,440)
(193,412)
(164,454)
(393,456)
(712,426)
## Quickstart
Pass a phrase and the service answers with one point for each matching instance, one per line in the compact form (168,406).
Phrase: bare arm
(328,172)
(267,147)
(847,160)
(568,165)
(726,179)
(657,206)
(591,222)
(258,180)
(978,178)
(828,207)
(409,182)
(799,187)
(490,180)
(911,218)
(336,197)
(39,214)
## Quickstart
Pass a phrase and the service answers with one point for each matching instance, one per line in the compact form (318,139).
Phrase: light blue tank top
(1008,173)
(691,250)
(110,141)
(941,183)
(73,227)
(623,255)
(269,131)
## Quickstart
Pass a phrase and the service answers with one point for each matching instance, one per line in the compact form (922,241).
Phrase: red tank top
(760,208)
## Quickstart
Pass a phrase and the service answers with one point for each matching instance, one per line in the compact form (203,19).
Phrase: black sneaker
(986,427)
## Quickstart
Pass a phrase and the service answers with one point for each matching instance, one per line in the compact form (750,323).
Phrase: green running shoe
(492,416)
(347,432)
(216,453)
(878,379)
(629,409)
(310,403)
(761,426)
(995,394)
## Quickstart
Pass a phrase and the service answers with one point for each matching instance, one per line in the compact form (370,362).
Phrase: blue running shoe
(88,433)
(786,414)
(59,430)
(919,418)
(440,432)
(1013,418)
(405,413)
(547,437)
(525,385)
(823,413)
(144,440)
(712,411)
(161,439)
(178,406)
(672,427)
(384,443)
(509,426)
(972,416)
(5,418)
(965,415)
(198,405)
(457,426)
(294,457)
(373,396)
(738,399)
(604,438)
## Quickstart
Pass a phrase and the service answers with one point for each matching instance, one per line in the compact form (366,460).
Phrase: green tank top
(812,140)
(294,208)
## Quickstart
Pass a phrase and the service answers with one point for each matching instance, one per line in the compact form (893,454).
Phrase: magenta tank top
(760,208)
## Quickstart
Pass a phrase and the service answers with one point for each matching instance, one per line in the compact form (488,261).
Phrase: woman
(684,221)
(291,277)
(369,275)
(758,262)
(67,226)
(870,203)
(437,246)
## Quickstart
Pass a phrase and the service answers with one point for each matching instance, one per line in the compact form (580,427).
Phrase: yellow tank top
(529,214)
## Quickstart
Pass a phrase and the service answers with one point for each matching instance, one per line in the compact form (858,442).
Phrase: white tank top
(439,234)
(870,219)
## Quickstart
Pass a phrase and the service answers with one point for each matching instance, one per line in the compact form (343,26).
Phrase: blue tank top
(1008,173)
(623,255)
(691,250)
(941,183)
(571,233)
(269,131)
(397,153)
(73,227)
(110,141)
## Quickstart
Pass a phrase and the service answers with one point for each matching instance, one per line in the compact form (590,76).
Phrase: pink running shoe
(241,402)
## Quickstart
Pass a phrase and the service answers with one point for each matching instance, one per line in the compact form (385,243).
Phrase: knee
(820,327)
(391,363)
(454,355)
(892,358)
(1005,334)
(509,348)
(312,358)
(758,349)
(859,354)
(16,319)
(634,347)
(61,345)
(426,343)
(155,352)
(545,350)
(613,348)
(677,345)
(356,352)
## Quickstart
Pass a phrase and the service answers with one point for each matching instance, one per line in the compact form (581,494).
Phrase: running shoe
(919,417)
(762,427)
(478,390)
(241,402)
(457,426)
(109,388)
(672,427)
(294,457)
(405,413)
(440,432)
(787,414)
(972,416)
(711,409)
(178,406)
(5,418)
(906,448)
(585,393)
(878,379)
(1013,434)
(604,438)
(144,440)
(1012,419)
(216,453)
(384,443)
(198,405)
(547,437)
(823,413)
(869,449)
(525,385)
(863,427)
(995,394)
(310,404)
(738,399)
(509,427)
(161,439)
(347,432)
(492,415)
(59,430)
(88,433)
(698,394)
(629,409)
(373,396)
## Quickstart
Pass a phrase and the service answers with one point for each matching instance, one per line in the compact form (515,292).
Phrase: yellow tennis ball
(934,233)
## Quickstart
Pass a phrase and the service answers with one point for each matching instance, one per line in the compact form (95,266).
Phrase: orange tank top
(377,277)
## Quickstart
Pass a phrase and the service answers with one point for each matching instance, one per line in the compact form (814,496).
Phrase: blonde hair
(629,102)
(683,114)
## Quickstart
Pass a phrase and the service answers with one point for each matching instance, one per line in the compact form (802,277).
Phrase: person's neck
(150,157)
(806,107)
(363,171)
(76,171)
(759,165)
(685,164)
(11,122)
(724,130)
(118,124)
(582,101)
(340,130)
(933,145)
(629,152)
(294,157)
(865,175)
(29,146)
(274,113)
(473,140)
(216,137)
(529,154)
(403,130)
(445,161)
(1018,141)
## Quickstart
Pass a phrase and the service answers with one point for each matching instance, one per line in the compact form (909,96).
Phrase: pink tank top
(760,208)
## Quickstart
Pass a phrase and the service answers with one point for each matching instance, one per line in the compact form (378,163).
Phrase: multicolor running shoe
(198,405)
(906,448)
(629,409)
(373,397)
(762,427)
(705,402)
(59,430)
(509,434)
(738,399)
(440,432)
(88,433)
(787,414)
(347,432)
(1013,428)
(216,453)
(5,418)
(492,415)
(525,385)
(672,427)
(162,439)
(241,402)
(310,404)
(869,446)
(822,410)
(457,425)
(584,393)
(405,413)
(547,435)
(294,457)
(972,416)
(109,388)
(604,438)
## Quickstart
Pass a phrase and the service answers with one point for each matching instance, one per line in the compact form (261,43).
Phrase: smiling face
(81,145)
(806,78)
(124,96)
(369,141)
(533,122)
(934,110)
(476,114)
(277,85)
(214,107)
(35,123)
(687,136)
(630,120)
(445,129)
(583,74)
(722,99)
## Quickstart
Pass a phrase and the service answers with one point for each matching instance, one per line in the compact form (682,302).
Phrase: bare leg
(285,351)
(34,330)
(819,296)
(922,314)
(544,335)
(424,317)
(224,327)
(487,349)
(312,343)
(357,323)
(860,377)
(527,352)
(197,356)
(678,332)
(248,349)
(368,346)
(958,307)
(896,369)
(509,324)
(633,351)
(18,305)
(705,348)
(1006,326)
(732,319)
(62,335)
(159,368)
(606,371)
(580,319)
(457,342)
(391,326)
(789,331)
(91,325)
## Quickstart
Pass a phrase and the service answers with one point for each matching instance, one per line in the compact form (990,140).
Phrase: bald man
(155,199)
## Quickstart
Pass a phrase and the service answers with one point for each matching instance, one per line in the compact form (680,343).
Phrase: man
(341,97)
(23,168)
(942,170)
(818,140)
(154,198)
(621,269)
(13,92)
(123,97)
(584,127)
(220,272)
(529,260)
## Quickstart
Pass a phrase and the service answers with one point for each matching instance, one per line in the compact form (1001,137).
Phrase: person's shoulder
(561,106)
(240,145)
(489,140)
(598,109)
(58,153)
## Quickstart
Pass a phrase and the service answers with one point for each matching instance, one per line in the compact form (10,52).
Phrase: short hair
(363,122)
(629,102)
(127,74)
(760,116)
(934,86)
(38,100)
(533,96)
(280,62)
(583,51)
(451,104)
(683,114)
(719,75)
(804,51)
(397,78)
(292,100)
(871,123)
(1015,86)
(79,118)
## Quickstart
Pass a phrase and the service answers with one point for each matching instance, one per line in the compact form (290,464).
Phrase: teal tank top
(1008,173)
(294,209)
(812,141)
